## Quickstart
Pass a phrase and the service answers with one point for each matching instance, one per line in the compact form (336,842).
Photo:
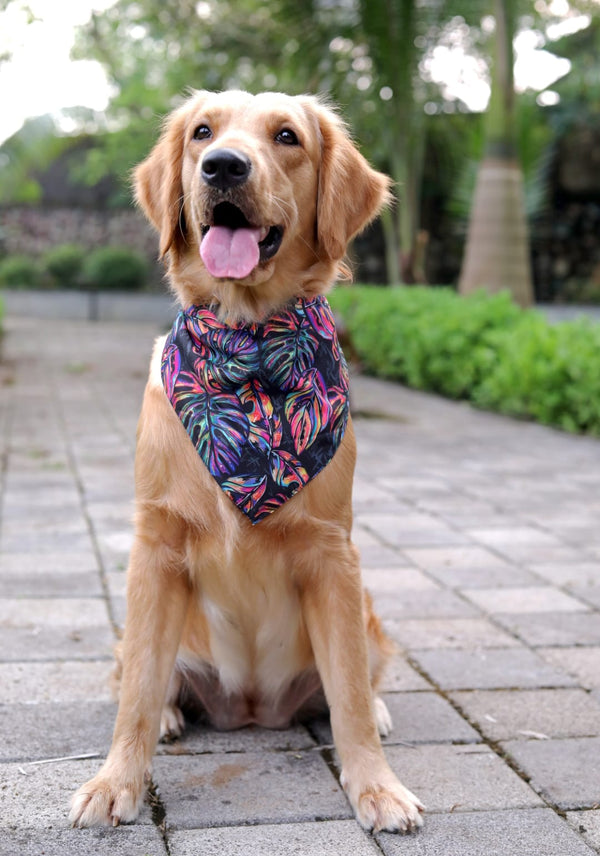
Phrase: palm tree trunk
(497,255)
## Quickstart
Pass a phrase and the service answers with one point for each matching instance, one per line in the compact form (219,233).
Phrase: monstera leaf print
(338,401)
(290,347)
(259,410)
(320,316)
(245,491)
(286,470)
(218,427)
(307,410)
(171,366)
(232,358)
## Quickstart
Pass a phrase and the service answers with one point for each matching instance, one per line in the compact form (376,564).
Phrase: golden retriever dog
(251,607)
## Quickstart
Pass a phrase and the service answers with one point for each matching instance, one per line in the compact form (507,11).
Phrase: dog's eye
(202,132)
(287,137)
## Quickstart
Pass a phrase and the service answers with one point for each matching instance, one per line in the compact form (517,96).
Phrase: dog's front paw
(105,801)
(384,805)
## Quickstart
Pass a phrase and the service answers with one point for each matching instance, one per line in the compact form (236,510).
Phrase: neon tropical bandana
(265,405)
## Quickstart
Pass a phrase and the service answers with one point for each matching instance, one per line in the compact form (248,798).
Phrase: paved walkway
(480,539)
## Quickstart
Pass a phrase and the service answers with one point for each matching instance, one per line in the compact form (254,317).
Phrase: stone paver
(537,832)
(538,714)
(481,548)
(494,668)
(588,824)
(247,787)
(566,772)
(330,838)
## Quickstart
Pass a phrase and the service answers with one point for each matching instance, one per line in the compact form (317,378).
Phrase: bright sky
(40,78)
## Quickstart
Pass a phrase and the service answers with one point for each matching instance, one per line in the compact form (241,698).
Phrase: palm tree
(497,251)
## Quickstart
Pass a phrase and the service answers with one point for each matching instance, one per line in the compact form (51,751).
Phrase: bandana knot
(265,405)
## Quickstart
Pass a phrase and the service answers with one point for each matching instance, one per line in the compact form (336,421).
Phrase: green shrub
(64,263)
(20,272)
(482,347)
(115,269)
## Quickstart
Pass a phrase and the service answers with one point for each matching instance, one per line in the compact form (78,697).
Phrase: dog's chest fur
(245,651)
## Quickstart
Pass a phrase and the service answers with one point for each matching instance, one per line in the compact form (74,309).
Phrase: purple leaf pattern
(265,405)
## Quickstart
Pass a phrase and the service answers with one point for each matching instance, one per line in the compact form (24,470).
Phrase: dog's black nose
(225,168)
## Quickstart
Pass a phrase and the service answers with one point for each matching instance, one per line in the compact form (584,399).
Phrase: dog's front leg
(333,611)
(157,596)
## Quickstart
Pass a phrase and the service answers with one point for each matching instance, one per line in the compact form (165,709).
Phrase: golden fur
(248,621)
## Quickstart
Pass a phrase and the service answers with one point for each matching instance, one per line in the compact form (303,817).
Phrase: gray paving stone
(423,717)
(554,628)
(53,612)
(566,772)
(47,562)
(530,599)
(582,663)
(275,787)
(587,824)
(123,841)
(34,683)
(329,838)
(414,530)
(54,730)
(46,584)
(522,832)
(52,643)
(38,796)
(561,574)
(460,778)
(522,714)
(200,739)
(399,676)
(589,594)
(490,669)
(411,603)
(467,633)
(469,567)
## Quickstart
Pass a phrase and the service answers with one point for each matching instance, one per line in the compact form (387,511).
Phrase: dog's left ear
(158,186)
(351,192)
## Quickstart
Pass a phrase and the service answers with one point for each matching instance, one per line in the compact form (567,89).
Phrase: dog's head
(255,198)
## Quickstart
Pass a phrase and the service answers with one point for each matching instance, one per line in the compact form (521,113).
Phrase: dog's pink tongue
(230,253)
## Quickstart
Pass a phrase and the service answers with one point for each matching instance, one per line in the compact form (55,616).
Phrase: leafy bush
(483,348)
(64,263)
(20,272)
(115,269)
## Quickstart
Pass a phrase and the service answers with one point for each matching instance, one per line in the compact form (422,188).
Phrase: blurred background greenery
(413,79)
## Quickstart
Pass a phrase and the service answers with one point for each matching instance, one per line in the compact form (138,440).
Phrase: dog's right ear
(158,185)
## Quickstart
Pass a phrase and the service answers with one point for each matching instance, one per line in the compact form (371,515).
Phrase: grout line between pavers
(493,745)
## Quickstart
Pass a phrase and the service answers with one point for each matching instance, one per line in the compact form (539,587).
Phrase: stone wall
(32,231)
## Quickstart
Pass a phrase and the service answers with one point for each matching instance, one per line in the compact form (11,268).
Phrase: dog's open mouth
(231,247)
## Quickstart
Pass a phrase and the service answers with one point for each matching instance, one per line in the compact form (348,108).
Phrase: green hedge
(483,348)
(72,266)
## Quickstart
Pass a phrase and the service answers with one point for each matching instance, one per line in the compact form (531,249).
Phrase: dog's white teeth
(263,233)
